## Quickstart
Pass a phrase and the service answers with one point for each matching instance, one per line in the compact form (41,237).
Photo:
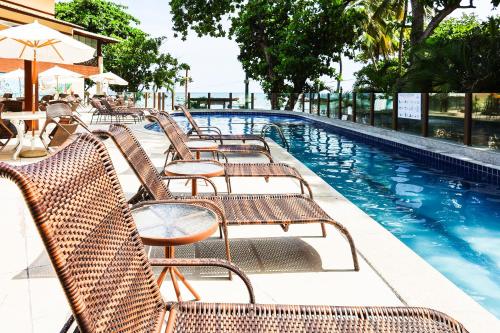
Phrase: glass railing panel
(347,101)
(363,108)
(383,110)
(446,116)
(486,120)
(410,113)
(334,105)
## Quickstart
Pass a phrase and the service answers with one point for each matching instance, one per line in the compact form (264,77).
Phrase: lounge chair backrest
(81,213)
(138,160)
(97,104)
(173,132)
(190,118)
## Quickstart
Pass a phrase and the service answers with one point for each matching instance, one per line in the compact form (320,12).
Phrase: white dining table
(17,119)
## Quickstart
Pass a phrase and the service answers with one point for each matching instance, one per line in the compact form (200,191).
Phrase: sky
(213,61)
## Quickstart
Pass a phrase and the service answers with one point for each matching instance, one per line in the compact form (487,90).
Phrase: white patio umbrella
(37,42)
(59,73)
(108,78)
(13,75)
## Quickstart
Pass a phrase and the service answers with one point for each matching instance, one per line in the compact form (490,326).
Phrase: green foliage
(283,43)
(381,76)
(203,17)
(461,55)
(137,57)
(99,16)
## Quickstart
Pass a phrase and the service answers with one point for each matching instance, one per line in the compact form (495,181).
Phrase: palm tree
(383,17)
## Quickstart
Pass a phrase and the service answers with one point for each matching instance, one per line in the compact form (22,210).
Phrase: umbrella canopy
(16,74)
(109,78)
(40,43)
(59,72)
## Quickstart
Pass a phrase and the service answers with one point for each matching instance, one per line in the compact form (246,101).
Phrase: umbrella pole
(34,80)
(33,152)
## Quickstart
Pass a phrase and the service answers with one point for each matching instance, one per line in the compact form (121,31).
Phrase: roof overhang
(102,38)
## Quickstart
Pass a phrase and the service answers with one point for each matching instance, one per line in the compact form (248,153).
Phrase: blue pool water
(451,222)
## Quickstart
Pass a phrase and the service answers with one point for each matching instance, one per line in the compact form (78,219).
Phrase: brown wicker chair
(135,113)
(100,261)
(203,133)
(266,170)
(65,121)
(215,132)
(238,209)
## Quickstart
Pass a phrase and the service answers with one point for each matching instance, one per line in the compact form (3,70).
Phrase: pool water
(451,222)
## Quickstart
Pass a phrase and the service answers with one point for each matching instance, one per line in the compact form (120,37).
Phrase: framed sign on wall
(410,106)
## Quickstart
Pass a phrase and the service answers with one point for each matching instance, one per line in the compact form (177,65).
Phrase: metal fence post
(340,105)
(310,102)
(354,107)
(425,114)
(252,101)
(328,105)
(209,101)
(468,119)
(372,109)
(230,104)
(319,104)
(395,112)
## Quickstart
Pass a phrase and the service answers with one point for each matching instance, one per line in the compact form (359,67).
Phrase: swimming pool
(451,222)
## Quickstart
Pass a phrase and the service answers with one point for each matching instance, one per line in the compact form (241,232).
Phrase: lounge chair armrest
(199,161)
(211,262)
(212,129)
(205,137)
(165,177)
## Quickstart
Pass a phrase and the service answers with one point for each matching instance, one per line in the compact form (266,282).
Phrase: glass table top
(194,168)
(169,222)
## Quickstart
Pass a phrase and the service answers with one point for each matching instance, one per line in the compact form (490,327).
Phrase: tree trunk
(298,87)
(401,37)
(417,23)
(339,78)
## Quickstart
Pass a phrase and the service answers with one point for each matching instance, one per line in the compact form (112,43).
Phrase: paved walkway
(298,267)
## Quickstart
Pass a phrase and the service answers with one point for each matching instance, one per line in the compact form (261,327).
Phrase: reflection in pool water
(453,223)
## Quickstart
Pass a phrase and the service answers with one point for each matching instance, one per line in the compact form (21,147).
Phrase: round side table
(194,168)
(171,224)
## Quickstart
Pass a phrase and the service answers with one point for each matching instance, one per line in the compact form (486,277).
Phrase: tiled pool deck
(298,267)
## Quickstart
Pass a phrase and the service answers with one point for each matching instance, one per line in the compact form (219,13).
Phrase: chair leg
(323,230)
(228,249)
(228,184)
(347,235)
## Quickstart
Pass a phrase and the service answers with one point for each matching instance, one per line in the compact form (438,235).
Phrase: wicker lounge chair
(100,261)
(228,148)
(112,107)
(215,132)
(65,121)
(238,209)
(177,141)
